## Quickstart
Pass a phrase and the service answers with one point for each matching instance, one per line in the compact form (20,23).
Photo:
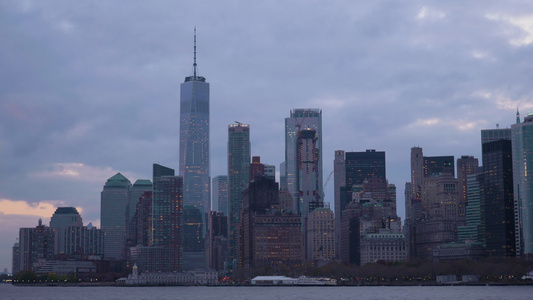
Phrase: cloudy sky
(91,88)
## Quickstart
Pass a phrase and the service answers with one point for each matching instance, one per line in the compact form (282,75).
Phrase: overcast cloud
(91,88)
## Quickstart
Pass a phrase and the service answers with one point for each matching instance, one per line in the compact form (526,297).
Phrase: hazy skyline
(89,89)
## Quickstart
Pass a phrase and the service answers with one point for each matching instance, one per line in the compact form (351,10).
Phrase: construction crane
(327,180)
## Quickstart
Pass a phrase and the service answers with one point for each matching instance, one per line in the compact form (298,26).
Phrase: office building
(113,210)
(522,147)
(339,181)
(15,266)
(167,217)
(220,194)
(137,191)
(309,120)
(498,196)
(217,241)
(384,246)
(35,244)
(63,218)
(143,220)
(321,234)
(466,165)
(238,175)
(194,140)
(258,198)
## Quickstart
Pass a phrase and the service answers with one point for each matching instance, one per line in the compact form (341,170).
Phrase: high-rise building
(238,175)
(35,244)
(194,140)
(81,241)
(137,190)
(220,194)
(522,146)
(63,218)
(321,234)
(474,230)
(15,267)
(436,165)
(339,181)
(432,206)
(309,120)
(361,166)
(192,227)
(143,220)
(309,179)
(257,169)
(268,236)
(270,171)
(498,196)
(113,211)
(466,165)
(217,241)
(167,217)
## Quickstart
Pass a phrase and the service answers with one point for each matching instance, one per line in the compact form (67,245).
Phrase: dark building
(466,165)
(217,240)
(142,221)
(238,178)
(435,165)
(256,168)
(268,236)
(361,166)
(499,198)
(350,234)
(15,267)
(260,195)
(167,216)
(192,229)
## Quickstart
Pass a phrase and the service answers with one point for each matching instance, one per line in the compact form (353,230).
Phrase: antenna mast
(194,64)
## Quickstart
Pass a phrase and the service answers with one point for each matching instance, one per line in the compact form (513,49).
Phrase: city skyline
(97,97)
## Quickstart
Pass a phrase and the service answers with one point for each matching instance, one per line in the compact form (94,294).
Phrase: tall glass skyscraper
(113,208)
(194,140)
(301,119)
(238,178)
(499,217)
(522,145)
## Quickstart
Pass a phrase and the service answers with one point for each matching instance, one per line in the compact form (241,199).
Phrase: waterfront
(8,291)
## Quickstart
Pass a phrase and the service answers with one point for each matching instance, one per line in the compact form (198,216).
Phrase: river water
(8,291)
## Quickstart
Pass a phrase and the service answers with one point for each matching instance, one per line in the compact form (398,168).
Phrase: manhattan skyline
(91,89)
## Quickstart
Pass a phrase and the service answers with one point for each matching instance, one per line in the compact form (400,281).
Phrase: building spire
(517,116)
(194,64)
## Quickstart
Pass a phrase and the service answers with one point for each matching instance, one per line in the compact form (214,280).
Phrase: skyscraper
(361,166)
(466,165)
(238,175)
(301,119)
(498,195)
(220,194)
(167,216)
(63,218)
(113,208)
(339,181)
(194,140)
(522,145)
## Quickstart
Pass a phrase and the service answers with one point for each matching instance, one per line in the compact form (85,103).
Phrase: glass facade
(113,206)
(498,197)
(238,175)
(194,143)
(522,143)
(301,119)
